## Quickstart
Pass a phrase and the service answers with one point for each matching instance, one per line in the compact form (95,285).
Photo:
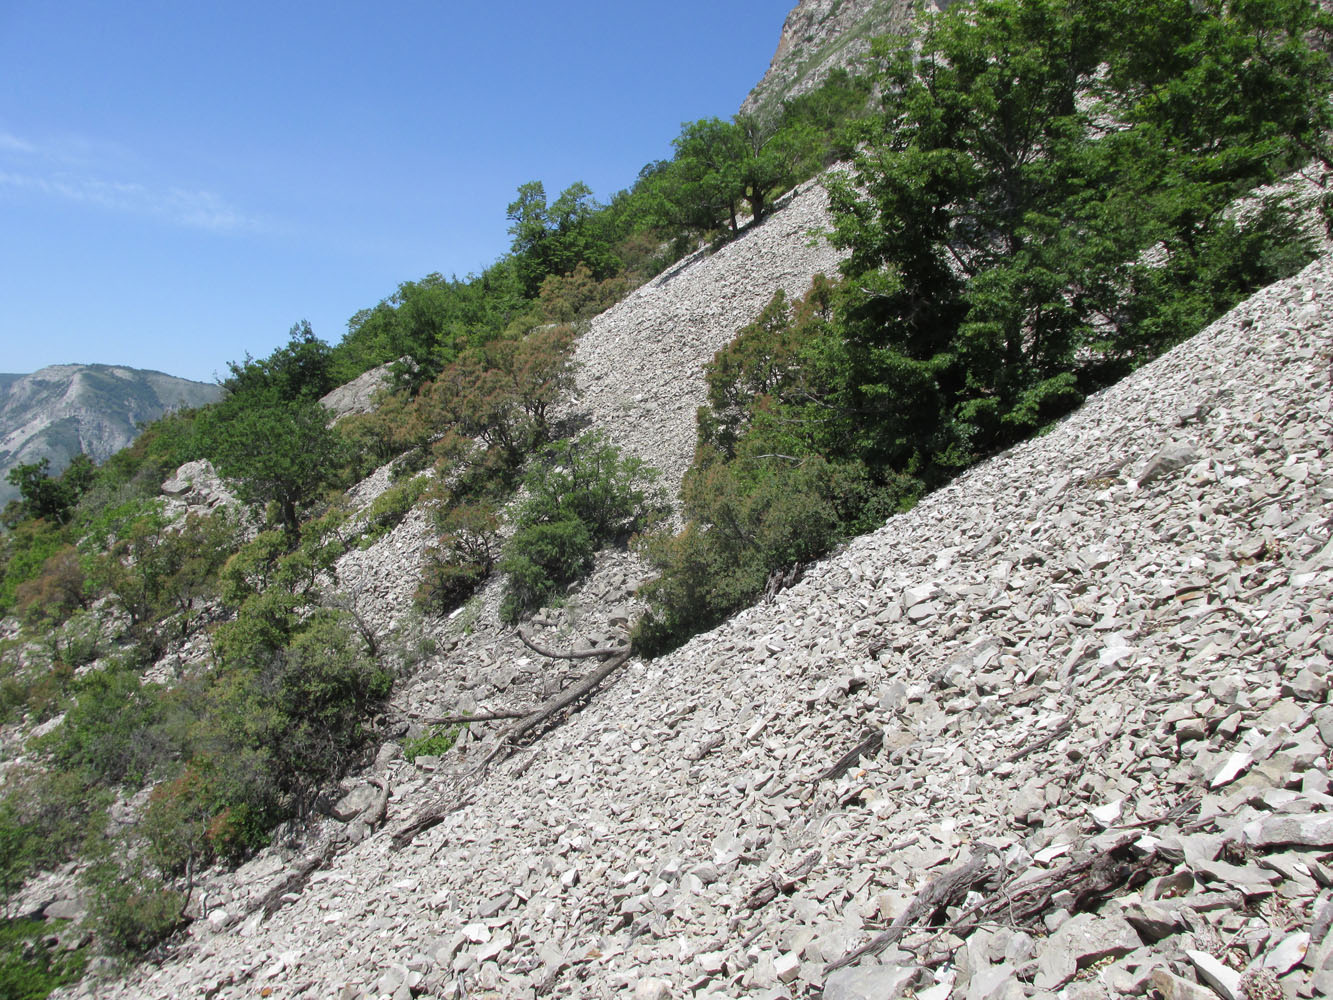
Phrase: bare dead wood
(505,744)
(1028,749)
(705,748)
(374,814)
(569,654)
(870,744)
(431,816)
(294,882)
(454,798)
(769,889)
(943,891)
(458,720)
(1091,881)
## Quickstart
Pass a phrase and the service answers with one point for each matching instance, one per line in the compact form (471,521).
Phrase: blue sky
(181,182)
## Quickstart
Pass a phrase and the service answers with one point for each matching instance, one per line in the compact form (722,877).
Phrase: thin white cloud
(13,144)
(195,209)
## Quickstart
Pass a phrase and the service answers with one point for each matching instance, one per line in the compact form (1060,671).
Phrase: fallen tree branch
(1040,744)
(569,654)
(431,816)
(767,890)
(450,800)
(457,720)
(294,882)
(942,892)
(872,741)
(505,744)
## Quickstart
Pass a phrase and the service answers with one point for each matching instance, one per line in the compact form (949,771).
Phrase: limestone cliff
(822,35)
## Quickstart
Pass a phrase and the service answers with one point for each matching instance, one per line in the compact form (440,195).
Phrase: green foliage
(45,817)
(302,370)
(745,521)
(161,574)
(1009,253)
(138,470)
(555,239)
(582,494)
(279,452)
(31,966)
(111,731)
(55,593)
(24,552)
(462,557)
(389,508)
(131,910)
(430,321)
(47,497)
(998,229)
(438,741)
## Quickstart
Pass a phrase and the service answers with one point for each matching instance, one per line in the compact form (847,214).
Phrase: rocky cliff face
(822,35)
(62,410)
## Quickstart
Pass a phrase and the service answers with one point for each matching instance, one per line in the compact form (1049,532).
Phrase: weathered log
(943,891)
(458,720)
(431,816)
(569,654)
(293,883)
(870,743)
(767,890)
(1027,749)
(505,744)
(452,800)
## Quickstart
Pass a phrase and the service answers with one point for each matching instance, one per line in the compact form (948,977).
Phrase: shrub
(462,558)
(432,744)
(55,593)
(540,559)
(389,509)
(31,964)
(131,910)
(111,732)
(581,494)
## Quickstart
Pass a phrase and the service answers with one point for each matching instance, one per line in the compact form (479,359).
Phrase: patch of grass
(32,964)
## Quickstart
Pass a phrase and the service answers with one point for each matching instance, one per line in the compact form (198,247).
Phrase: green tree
(301,370)
(281,453)
(554,239)
(708,185)
(42,495)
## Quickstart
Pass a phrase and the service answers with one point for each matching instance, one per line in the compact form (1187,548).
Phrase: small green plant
(131,910)
(389,509)
(438,741)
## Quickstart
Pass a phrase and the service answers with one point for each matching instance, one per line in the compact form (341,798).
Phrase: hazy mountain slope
(63,409)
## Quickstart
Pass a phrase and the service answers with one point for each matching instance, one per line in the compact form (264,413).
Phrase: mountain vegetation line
(1039,201)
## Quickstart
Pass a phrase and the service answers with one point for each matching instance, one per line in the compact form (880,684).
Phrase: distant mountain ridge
(62,410)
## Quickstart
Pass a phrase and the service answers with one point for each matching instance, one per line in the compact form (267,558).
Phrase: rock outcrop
(819,36)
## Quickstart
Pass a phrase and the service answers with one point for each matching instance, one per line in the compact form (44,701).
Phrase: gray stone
(1312,830)
(652,989)
(1225,981)
(882,982)
(1173,987)
(1082,940)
